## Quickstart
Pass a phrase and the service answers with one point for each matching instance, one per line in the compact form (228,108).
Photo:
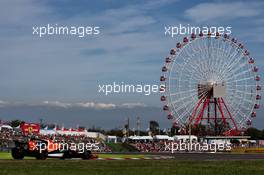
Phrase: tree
(199,130)
(115,132)
(218,127)
(154,127)
(254,133)
(15,123)
(42,123)
(174,130)
(81,127)
(52,125)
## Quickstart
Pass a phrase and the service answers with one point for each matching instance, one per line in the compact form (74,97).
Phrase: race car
(43,149)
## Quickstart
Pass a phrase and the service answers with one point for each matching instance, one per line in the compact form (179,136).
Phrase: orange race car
(42,149)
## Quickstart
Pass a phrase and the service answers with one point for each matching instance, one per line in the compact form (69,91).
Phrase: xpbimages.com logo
(79,31)
(173,31)
(78,147)
(197,147)
(115,88)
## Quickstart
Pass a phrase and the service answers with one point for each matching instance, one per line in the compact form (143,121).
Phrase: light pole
(138,126)
(190,132)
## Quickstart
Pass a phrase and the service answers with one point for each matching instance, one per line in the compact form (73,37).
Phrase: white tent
(252,141)
(185,137)
(133,137)
(162,137)
(6,127)
(46,132)
(111,139)
(146,138)
(143,138)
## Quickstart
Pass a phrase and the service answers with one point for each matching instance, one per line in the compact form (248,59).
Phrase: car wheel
(87,155)
(67,155)
(17,153)
(42,156)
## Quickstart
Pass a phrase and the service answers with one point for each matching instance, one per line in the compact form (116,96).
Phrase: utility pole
(190,131)
(138,126)
(128,127)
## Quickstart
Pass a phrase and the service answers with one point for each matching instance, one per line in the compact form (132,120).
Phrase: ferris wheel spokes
(212,81)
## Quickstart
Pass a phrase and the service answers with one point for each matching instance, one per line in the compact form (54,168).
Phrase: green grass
(121,147)
(122,155)
(5,155)
(130,167)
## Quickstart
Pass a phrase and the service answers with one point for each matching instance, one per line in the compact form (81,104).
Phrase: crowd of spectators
(162,145)
(151,146)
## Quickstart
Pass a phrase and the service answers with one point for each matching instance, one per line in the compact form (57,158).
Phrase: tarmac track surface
(218,156)
(210,156)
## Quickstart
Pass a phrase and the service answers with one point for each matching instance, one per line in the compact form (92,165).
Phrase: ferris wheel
(211,81)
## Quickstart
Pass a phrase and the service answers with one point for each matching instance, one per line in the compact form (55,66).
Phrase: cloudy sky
(66,71)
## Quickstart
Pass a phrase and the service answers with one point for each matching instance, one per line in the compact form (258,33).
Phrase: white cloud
(133,23)
(57,104)
(17,11)
(223,11)
(93,105)
(132,105)
(3,103)
(25,59)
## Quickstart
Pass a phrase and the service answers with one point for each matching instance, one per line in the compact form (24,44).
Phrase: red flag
(30,128)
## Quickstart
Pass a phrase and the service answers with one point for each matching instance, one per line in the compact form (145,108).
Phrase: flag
(30,128)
